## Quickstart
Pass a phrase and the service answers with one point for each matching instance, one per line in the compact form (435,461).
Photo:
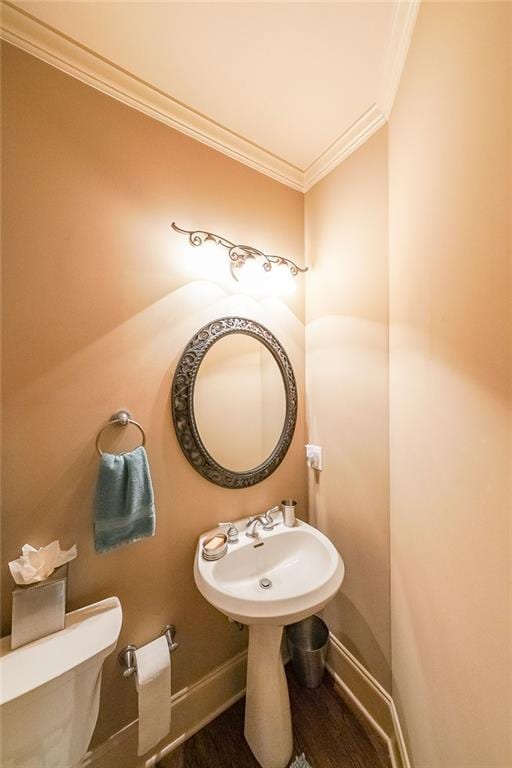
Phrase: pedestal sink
(283,577)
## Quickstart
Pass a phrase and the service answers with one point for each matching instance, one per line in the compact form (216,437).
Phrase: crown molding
(49,45)
(349,141)
(402,27)
(404,20)
(33,36)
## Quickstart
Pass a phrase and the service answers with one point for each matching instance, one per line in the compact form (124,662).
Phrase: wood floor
(324,728)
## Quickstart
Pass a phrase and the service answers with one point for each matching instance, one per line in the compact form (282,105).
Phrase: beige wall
(347,391)
(447,198)
(450,388)
(100,297)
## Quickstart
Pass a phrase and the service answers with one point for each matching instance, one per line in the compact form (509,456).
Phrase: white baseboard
(369,697)
(192,708)
(197,705)
(399,737)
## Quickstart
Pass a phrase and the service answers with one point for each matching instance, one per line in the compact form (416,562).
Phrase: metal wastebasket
(307,643)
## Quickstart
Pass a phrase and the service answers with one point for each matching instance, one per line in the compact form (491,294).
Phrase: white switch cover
(314,457)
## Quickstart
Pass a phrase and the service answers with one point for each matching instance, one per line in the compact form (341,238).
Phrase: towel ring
(123,418)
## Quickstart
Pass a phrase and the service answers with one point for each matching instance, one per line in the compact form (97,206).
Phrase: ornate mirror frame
(182,402)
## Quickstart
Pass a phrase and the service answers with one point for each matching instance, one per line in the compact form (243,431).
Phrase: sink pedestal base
(268,723)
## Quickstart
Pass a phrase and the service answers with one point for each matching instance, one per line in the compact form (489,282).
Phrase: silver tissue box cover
(39,609)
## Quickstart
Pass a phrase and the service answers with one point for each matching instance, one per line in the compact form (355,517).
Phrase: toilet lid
(87,632)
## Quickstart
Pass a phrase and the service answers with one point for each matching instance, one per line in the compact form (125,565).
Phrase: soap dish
(215,547)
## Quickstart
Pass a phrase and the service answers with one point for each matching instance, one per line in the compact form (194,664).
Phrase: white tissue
(153,684)
(37,564)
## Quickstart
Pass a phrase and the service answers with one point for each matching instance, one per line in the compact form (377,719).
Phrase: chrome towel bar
(127,656)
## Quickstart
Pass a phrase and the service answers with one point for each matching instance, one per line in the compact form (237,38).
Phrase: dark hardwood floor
(324,728)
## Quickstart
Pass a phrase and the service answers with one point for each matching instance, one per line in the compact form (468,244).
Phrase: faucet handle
(231,532)
(269,522)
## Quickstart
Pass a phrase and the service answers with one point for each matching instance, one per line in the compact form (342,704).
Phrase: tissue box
(39,609)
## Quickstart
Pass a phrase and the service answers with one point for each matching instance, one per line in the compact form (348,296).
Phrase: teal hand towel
(124,504)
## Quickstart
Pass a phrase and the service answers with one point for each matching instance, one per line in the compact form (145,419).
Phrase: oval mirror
(239,402)
(234,402)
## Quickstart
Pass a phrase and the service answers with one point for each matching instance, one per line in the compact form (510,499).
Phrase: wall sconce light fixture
(240,255)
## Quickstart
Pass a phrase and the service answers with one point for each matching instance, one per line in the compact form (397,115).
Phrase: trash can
(307,643)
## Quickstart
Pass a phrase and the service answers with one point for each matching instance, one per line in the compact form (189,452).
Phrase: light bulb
(251,277)
(254,280)
(281,282)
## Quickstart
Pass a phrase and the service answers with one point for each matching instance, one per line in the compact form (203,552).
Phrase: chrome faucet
(252,524)
(265,521)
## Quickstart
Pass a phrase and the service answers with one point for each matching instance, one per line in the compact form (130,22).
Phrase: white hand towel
(154,688)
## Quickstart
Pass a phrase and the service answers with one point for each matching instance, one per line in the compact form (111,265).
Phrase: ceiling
(289,88)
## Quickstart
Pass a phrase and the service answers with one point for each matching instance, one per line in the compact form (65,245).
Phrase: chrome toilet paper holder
(127,656)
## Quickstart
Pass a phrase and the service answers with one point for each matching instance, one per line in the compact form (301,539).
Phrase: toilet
(50,689)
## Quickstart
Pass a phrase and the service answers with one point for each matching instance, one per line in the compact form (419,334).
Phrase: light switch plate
(314,457)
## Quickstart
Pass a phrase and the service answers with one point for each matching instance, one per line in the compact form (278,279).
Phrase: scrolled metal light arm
(239,254)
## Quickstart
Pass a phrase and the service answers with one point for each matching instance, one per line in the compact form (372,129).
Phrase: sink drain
(265,583)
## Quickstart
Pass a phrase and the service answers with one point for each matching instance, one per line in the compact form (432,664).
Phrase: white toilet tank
(50,689)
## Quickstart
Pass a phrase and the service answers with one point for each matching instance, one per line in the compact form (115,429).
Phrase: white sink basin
(304,567)
(305,571)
